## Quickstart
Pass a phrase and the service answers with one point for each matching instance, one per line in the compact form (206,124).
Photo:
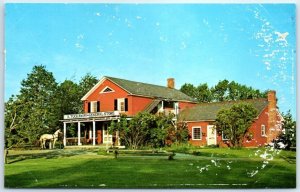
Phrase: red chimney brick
(171,83)
(272,112)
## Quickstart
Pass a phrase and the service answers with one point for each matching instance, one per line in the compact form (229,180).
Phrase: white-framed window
(263,130)
(94,106)
(224,137)
(121,104)
(107,89)
(196,133)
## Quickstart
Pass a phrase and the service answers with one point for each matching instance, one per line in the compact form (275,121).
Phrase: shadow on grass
(51,154)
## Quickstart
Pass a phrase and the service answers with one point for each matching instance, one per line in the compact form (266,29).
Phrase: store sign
(91,115)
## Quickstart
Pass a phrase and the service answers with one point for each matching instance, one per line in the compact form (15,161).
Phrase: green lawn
(211,168)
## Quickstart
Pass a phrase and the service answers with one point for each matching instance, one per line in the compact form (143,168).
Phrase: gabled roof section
(209,111)
(144,89)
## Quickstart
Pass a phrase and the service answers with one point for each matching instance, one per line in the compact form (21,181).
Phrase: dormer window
(107,90)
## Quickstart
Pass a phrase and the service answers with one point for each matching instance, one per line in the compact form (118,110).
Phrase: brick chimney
(272,118)
(171,83)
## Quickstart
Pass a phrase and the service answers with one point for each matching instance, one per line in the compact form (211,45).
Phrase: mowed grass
(215,168)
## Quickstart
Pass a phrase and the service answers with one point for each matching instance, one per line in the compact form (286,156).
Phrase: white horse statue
(52,137)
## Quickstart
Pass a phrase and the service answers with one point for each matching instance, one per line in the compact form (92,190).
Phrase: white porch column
(94,132)
(65,134)
(79,133)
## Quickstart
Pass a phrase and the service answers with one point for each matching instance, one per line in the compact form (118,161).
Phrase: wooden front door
(211,135)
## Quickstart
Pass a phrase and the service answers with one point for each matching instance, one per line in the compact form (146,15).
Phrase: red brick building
(201,118)
(111,97)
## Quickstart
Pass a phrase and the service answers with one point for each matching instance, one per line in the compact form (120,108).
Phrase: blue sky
(252,44)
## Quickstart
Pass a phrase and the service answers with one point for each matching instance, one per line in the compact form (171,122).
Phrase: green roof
(209,111)
(150,90)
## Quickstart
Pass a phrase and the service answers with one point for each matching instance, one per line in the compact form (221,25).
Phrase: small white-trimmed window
(121,104)
(224,137)
(263,130)
(93,106)
(107,90)
(196,133)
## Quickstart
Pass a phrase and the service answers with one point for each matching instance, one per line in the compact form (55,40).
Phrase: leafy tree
(147,129)
(289,127)
(68,99)
(32,112)
(159,132)
(86,83)
(220,91)
(134,133)
(203,93)
(189,90)
(12,121)
(178,134)
(223,91)
(235,121)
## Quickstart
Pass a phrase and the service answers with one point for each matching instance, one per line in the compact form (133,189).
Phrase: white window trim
(106,88)
(224,139)
(200,133)
(120,100)
(91,106)
(261,128)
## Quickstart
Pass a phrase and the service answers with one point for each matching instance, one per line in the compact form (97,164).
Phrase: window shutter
(116,105)
(98,106)
(89,107)
(126,104)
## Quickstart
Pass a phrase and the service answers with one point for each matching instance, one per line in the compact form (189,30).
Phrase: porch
(90,129)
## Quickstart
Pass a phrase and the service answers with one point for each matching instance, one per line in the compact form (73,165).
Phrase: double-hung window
(94,106)
(121,104)
(196,133)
